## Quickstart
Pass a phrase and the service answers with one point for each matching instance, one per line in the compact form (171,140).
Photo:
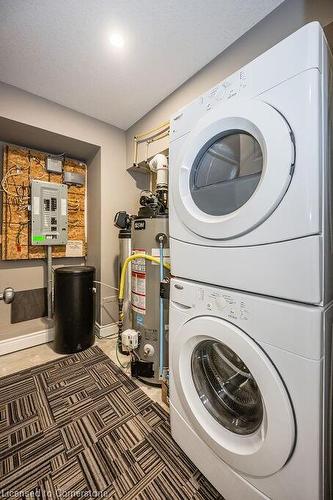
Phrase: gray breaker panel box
(48,213)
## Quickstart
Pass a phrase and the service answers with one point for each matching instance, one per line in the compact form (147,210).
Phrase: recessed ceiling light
(117,40)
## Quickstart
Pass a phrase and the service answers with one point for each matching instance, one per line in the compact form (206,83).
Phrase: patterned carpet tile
(78,427)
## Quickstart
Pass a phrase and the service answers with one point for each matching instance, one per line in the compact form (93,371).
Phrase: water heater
(145,297)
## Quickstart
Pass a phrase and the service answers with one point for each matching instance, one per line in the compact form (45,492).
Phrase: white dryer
(250,392)
(251,176)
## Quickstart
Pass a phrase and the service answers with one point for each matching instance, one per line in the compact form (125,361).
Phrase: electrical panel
(49,210)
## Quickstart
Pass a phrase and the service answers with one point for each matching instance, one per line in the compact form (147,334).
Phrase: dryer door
(235,168)
(233,396)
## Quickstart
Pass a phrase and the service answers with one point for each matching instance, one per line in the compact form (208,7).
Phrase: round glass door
(226,387)
(233,170)
(226,173)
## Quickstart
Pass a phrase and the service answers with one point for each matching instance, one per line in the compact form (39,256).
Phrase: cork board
(20,167)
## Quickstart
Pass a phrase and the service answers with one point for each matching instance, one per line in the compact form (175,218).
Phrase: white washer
(250,392)
(251,176)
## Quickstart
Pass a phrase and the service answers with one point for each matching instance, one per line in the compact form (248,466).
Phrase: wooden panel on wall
(20,167)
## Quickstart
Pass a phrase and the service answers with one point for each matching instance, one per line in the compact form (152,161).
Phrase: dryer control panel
(226,90)
(230,88)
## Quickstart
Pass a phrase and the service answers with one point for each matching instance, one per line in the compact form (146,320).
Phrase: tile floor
(27,358)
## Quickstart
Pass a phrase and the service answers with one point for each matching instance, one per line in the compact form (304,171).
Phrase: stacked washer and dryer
(251,249)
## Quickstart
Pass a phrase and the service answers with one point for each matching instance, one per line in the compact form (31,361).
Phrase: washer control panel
(210,300)
(223,304)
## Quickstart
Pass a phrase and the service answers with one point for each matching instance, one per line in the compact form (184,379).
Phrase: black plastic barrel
(73,308)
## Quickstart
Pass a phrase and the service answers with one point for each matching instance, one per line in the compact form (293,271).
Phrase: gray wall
(283,21)
(110,188)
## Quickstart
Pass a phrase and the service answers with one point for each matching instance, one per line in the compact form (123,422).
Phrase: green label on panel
(38,238)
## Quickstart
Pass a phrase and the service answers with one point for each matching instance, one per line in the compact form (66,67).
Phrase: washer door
(233,396)
(235,168)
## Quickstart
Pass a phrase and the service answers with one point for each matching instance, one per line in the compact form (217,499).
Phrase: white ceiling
(60,49)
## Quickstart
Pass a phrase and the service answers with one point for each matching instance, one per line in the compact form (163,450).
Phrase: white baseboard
(26,340)
(106,330)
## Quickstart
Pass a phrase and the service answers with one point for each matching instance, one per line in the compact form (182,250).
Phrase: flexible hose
(105,284)
(120,363)
(122,287)
(125,265)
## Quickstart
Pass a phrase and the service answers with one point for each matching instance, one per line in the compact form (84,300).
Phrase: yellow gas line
(125,266)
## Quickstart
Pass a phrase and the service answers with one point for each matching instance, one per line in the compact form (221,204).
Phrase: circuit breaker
(48,213)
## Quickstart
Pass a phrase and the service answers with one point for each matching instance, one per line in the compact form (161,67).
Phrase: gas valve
(148,350)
